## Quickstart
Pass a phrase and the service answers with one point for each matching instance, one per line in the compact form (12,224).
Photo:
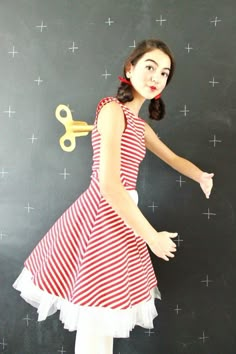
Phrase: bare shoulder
(111,115)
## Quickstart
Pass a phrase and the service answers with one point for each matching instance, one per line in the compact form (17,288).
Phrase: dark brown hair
(124,92)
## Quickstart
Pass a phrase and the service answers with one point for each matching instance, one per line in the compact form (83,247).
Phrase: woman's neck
(135,105)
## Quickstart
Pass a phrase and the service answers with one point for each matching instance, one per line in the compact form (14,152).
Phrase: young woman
(93,264)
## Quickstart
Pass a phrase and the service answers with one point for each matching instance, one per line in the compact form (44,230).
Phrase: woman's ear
(128,70)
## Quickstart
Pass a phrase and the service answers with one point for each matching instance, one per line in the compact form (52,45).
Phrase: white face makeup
(150,74)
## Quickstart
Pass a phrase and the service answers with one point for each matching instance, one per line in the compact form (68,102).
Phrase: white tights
(87,344)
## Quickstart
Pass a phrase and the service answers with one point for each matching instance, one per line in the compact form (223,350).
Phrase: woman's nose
(156,78)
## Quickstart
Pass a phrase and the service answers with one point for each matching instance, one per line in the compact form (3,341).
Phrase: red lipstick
(153,88)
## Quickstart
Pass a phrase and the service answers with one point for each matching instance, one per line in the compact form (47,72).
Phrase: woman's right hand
(162,245)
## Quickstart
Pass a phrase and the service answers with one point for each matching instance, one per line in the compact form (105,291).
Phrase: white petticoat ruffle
(92,320)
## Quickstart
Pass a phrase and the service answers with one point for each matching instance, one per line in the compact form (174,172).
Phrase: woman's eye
(149,67)
(165,74)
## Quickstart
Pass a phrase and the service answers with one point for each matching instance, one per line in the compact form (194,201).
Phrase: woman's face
(149,75)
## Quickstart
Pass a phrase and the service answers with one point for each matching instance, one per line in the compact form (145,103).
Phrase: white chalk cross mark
(213,82)
(185,110)
(177,309)
(27,319)
(180,181)
(29,208)
(209,214)
(3,173)
(203,338)
(3,344)
(161,20)
(207,281)
(178,240)
(214,141)
(64,174)
(38,80)
(106,74)
(13,52)
(74,47)
(62,350)
(109,21)
(188,48)
(2,235)
(10,112)
(215,21)
(42,26)
(149,332)
(153,206)
(33,138)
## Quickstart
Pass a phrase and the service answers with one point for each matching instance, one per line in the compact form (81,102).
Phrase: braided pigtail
(124,93)
(156,109)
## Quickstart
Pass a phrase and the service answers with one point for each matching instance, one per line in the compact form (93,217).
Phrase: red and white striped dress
(90,265)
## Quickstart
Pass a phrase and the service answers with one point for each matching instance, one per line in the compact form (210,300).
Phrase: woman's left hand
(206,183)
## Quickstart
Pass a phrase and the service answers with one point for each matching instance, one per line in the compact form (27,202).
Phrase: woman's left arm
(183,166)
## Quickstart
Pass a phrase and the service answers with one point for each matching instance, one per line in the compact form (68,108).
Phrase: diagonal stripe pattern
(90,256)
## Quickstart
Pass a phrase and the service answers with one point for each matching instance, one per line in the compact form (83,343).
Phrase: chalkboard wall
(71,52)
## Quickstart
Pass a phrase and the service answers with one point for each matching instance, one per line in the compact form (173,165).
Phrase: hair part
(125,91)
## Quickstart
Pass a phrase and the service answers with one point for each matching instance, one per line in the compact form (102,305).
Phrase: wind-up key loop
(73,128)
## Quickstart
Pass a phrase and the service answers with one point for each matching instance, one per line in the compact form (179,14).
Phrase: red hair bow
(124,80)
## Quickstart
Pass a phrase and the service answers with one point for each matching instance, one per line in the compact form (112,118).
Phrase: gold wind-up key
(73,128)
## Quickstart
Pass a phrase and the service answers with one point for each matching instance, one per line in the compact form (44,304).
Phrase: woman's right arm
(111,124)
